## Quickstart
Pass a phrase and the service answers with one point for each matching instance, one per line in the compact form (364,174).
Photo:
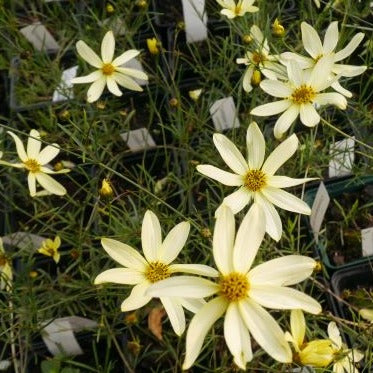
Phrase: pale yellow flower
(50,248)
(153,45)
(233,9)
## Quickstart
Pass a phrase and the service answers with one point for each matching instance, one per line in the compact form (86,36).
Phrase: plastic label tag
(23,240)
(195,20)
(342,157)
(117,25)
(139,139)
(319,207)
(223,114)
(40,37)
(367,241)
(136,64)
(64,91)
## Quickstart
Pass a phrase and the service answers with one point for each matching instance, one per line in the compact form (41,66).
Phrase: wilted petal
(175,314)
(151,236)
(126,276)
(224,177)
(137,298)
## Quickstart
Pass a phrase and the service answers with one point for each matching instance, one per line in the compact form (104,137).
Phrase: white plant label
(139,139)
(134,63)
(195,20)
(117,25)
(223,114)
(367,241)
(342,157)
(319,207)
(23,240)
(40,37)
(64,91)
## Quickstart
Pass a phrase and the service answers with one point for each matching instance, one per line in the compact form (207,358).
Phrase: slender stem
(12,339)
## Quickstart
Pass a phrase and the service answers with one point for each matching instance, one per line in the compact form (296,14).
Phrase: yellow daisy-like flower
(153,45)
(50,248)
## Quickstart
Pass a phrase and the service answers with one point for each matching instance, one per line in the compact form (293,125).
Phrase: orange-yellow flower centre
(258,58)
(234,287)
(32,165)
(255,180)
(157,271)
(303,95)
(108,69)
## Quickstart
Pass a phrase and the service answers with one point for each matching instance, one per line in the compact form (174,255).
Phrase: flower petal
(319,78)
(87,78)
(280,155)
(126,276)
(31,181)
(343,91)
(331,38)
(137,298)
(265,330)
(48,153)
(246,82)
(257,35)
(186,286)
(272,108)
(285,121)
(175,314)
(49,184)
(298,326)
(349,48)
(286,200)
(331,98)
(249,237)
(174,242)
(348,70)
(335,335)
(108,47)
(134,73)
(276,88)
(88,54)
(19,146)
(255,146)
(33,144)
(124,254)
(192,304)
(303,62)
(125,57)
(283,298)
(199,326)
(285,271)
(151,236)
(295,73)
(308,115)
(237,336)
(113,86)
(127,82)
(224,177)
(237,200)
(196,269)
(286,182)
(311,41)
(223,240)
(96,89)
(230,154)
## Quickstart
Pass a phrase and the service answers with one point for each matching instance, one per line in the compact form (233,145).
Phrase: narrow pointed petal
(283,298)
(125,276)
(256,146)
(33,144)
(286,182)
(237,336)
(124,254)
(349,48)
(137,298)
(272,218)
(257,35)
(49,184)
(9,164)
(31,181)
(311,41)
(228,13)
(265,330)
(295,73)
(303,62)
(224,177)
(201,323)
(186,286)
(348,70)
(192,304)
(88,54)
(108,47)
(175,314)
(48,153)
(298,326)
(92,77)
(285,121)
(151,236)
(276,88)
(19,146)
(195,269)
(95,90)
(134,73)
(319,78)
(113,86)
(230,154)
(334,335)
(223,240)
(331,38)
(286,200)
(280,155)
(343,91)
(174,242)
(125,57)
(331,98)
(308,115)
(127,82)
(272,108)
(249,237)
(238,199)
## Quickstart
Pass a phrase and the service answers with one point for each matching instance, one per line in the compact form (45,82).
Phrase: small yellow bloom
(110,8)
(106,189)
(256,78)
(153,45)
(50,248)
(277,28)
(194,95)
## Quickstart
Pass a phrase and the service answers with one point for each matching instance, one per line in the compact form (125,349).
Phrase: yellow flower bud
(142,4)
(109,8)
(278,29)
(174,102)
(131,318)
(33,274)
(256,78)
(180,25)
(106,189)
(247,39)
(318,267)
(153,45)
(318,353)
(134,347)
(100,105)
